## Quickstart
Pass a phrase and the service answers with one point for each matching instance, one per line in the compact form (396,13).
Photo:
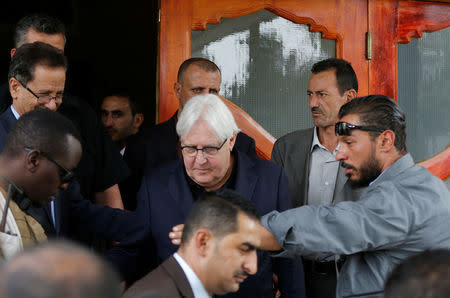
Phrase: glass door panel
(424,92)
(265,62)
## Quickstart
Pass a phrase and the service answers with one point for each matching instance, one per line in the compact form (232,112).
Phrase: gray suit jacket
(166,281)
(293,153)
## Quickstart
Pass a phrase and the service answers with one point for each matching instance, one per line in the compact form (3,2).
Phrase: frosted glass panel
(265,62)
(424,92)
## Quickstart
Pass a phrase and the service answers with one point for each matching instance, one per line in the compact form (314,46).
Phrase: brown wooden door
(390,22)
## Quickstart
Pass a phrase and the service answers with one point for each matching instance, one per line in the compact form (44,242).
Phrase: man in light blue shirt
(403,211)
(217,251)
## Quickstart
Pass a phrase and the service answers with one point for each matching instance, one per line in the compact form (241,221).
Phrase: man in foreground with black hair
(217,251)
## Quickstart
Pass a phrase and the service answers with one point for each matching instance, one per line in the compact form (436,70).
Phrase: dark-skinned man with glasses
(37,162)
(36,81)
(404,209)
(210,161)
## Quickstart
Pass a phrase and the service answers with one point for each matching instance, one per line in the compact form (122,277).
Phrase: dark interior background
(110,44)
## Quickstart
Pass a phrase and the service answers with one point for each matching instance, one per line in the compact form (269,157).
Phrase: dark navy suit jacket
(71,210)
(164,200)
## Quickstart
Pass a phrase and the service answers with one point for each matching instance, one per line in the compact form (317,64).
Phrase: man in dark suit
(41,67)
(207,132)
(161,144)
(309,159)
(101,168)
(122,117)
(217,252)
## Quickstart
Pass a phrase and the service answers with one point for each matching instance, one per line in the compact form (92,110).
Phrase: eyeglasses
(42,99)
(343,128)
(65,175)
(191,151)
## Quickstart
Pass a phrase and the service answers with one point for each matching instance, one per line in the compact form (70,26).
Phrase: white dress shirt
(196,285)
(322,173)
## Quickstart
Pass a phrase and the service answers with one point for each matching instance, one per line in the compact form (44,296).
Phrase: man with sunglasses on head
(404,209)
(36,81)
(308,158)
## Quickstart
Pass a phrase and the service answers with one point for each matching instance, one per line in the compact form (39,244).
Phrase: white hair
(211,109)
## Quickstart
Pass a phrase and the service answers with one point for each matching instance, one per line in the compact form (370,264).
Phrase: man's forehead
(194,71)
(116,102)
(351,119)
(56,40)
(201,129)
(324,79)
(247,229)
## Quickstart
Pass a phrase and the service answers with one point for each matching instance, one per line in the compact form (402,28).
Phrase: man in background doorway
(309,159)
(122,117)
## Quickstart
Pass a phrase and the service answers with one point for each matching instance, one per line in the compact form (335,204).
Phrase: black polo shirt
(198,190)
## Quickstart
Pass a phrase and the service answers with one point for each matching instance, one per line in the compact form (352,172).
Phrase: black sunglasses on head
(343,128)
(65,175)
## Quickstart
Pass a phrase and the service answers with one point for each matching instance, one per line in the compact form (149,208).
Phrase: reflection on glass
(423,92)
(265,62)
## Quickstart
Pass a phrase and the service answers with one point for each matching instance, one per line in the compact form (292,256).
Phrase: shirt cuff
(279,226)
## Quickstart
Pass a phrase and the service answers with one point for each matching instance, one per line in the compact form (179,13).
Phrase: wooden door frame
(390,22)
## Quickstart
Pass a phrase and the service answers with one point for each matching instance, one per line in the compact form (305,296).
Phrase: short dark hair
(379,111)
(203,63)
(345,75)
(218,212)
(28,56)
(424,275)
(135,105)
(40,129)
(59,269)
(40,22)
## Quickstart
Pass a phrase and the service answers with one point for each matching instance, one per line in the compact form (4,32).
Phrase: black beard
(368,173)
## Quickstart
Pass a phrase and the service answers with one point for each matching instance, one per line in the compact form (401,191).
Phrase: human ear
(138,120)
(202,241)
(386,140)
(177,88)
(32,160)
(350,94)
(14,86)
(233,141)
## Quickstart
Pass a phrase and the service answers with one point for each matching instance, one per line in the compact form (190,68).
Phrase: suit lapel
(305,150)
(246,178)
(179,189)
(8,120)
(175,271)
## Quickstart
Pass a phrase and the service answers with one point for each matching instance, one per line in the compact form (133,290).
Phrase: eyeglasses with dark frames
(65,175)
(344,128)
(42,99)
(191,151)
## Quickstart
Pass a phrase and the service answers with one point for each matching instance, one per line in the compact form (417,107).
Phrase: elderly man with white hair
(207,132)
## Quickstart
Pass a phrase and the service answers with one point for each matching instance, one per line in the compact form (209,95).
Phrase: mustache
(241,273)
(347,166)
(316,109)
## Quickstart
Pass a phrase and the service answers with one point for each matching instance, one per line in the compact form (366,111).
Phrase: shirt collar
(15,113)
(197,287)
(316,142)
